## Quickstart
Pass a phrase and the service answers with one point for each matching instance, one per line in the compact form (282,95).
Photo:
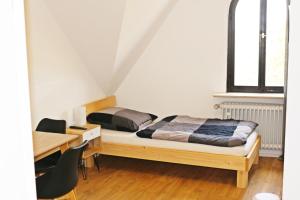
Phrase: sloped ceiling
(110,36)
(93,27)
(142,21)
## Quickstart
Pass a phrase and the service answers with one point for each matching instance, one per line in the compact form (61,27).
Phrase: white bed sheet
(121,137)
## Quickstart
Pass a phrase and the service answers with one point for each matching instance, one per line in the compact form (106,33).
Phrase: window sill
(249,95)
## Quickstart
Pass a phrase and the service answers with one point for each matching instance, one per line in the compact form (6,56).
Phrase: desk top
(81,132)
(44,142)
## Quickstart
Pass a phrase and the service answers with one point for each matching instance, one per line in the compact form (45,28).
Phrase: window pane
(276,38)
(247,18)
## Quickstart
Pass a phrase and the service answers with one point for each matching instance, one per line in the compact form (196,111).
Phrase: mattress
(121,137)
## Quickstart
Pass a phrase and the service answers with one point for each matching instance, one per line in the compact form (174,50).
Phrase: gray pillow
(121,119)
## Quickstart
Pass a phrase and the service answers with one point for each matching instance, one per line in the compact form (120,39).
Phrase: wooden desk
(45,143)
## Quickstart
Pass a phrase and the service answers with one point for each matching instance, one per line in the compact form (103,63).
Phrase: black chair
(63,178)
(52,126)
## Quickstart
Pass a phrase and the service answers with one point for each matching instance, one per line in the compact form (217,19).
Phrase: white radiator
(268,116)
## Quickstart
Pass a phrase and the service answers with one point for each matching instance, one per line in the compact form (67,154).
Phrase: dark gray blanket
(226,133)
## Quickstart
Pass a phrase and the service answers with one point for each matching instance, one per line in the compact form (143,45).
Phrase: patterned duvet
(217,132)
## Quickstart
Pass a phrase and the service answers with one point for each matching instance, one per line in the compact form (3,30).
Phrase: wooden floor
(124,178)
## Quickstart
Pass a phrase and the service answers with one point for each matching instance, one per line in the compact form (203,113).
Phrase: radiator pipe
(217,106)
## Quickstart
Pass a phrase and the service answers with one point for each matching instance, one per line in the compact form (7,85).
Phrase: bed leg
(242,179)
(256,160)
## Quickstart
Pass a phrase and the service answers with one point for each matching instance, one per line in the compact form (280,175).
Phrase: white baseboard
(270,153)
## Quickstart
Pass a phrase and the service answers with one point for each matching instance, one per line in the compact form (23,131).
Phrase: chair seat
(45,192)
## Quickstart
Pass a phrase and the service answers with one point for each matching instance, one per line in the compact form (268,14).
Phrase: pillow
(121,119)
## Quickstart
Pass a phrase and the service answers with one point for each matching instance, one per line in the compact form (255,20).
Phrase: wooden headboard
(100,104)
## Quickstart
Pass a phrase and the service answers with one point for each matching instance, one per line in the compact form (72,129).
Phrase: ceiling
(109,36)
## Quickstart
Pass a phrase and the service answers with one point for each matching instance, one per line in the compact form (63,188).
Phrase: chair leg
(96,161)
(69,196)
(83,169)
(72,195)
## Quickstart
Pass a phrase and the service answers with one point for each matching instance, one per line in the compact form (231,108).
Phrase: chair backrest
(63,178)
(52,125)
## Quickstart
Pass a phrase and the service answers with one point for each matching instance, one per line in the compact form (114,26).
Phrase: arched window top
(257,36)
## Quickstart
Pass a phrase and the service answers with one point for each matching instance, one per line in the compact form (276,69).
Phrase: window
(257,41)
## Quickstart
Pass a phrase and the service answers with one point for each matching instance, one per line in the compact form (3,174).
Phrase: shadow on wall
(126,65)
(92,27)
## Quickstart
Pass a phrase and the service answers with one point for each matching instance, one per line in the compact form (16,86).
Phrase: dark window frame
(261,88)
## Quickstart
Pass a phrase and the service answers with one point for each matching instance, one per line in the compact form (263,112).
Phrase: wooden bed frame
(242,164)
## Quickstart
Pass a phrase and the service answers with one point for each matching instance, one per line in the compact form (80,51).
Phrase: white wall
(16,169)
(292,161)
(93,27)
(184,63)
(139,16)
(82,50)
(59,79)
(141,22)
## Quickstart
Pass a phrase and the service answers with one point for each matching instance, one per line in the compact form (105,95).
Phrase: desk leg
(64,147)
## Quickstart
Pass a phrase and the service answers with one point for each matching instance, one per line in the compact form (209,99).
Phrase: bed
(124,144)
